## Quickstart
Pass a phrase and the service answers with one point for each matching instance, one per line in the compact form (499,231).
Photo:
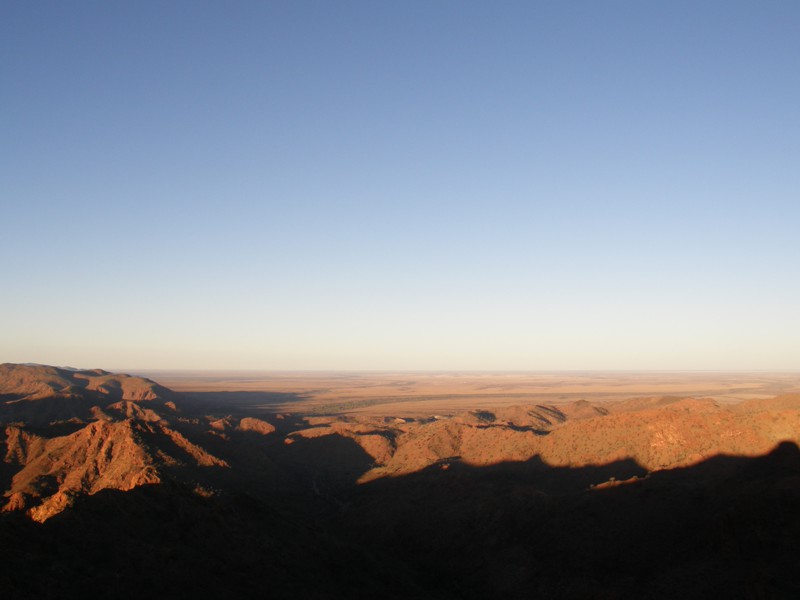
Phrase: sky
(400,185)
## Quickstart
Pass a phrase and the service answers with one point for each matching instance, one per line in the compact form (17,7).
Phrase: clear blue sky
(401,185)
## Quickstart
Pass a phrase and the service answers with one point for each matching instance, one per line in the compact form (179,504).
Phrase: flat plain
(432,393)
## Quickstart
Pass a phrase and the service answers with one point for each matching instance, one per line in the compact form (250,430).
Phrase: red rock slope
(68,433)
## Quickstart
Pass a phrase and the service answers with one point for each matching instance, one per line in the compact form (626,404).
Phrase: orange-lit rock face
(32,382)
(102,455)
(657,434)
(119,445)
(255,425)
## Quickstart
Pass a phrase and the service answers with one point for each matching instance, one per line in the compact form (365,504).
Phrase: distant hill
(35,382)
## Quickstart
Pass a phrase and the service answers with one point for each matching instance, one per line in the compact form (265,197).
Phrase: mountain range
(114,481)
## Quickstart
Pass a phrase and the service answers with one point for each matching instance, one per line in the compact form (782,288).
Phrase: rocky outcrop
(102,455)
(255,425)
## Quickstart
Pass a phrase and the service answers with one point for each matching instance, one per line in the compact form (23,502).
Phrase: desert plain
(426,393)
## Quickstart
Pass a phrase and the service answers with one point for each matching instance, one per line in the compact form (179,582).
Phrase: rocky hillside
(41,395)
(656,433)
(68,433)
(34,382)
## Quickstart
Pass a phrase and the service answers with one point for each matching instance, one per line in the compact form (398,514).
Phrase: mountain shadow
(165,541)
(724,528)
(727,527)
(241,403)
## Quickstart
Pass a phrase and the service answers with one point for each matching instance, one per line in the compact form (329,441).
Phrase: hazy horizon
(244,373)
(309,186)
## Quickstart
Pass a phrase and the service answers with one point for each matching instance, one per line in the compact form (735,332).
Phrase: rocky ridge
(656,433)
(69,433)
